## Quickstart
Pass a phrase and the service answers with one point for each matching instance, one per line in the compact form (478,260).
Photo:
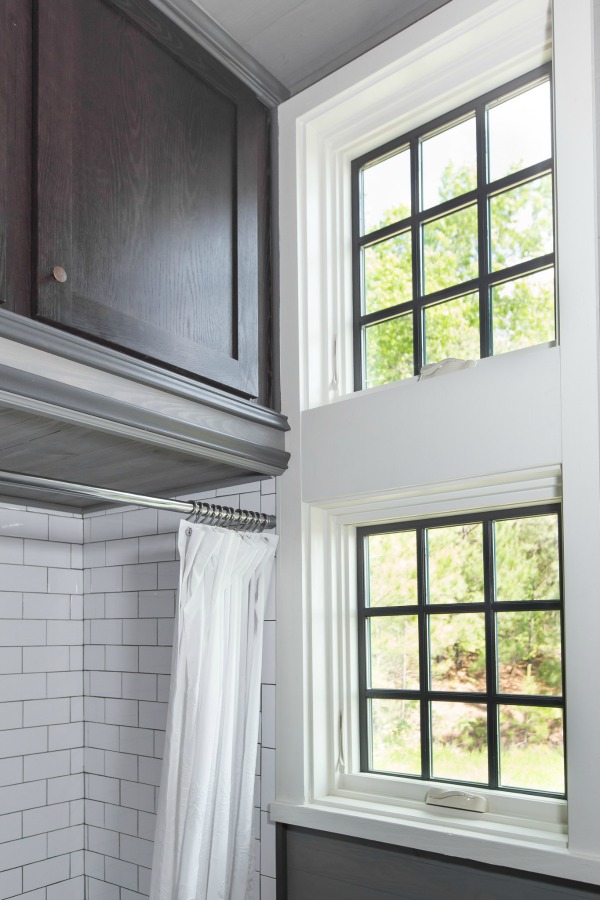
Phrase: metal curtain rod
(209,513)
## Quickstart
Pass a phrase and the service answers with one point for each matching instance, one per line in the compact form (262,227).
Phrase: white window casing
(516,429)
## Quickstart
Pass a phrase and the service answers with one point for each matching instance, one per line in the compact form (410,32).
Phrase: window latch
(457,800)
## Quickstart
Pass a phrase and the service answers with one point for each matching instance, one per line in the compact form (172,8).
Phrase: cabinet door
(150,201)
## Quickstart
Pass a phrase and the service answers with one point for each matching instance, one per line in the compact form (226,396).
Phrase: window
(454,236)
(460,650)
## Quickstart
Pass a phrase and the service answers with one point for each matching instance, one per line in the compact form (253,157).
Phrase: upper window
(453,236)
(460,650)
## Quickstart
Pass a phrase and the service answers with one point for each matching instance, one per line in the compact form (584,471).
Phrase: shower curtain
(203,847)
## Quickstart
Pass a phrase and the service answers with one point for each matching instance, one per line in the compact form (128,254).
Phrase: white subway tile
(46,553)
(76,812)
(168,575)
(11,770)
(146,825)
(11,660)
(101,788)
(100,890)
(164,687)
(168,521)
(123,552)
(94,813)
(155,659)
(157,547)
(121,819)
(106,528)
(140,521)
(11,716)
(107,631)
(76,709)
(22,796)
(149,770)
(76,606)
(267,504)
(268,661)
(153,715)
(102,737)
(66,840)
(268,486)
(48,872)
(165,632)
(159,604)
(11,605)
(268,888)
(94,554)
(122,712)
(106,579)
(121,765)
(11,883)
(268,715)
(144,880)
(47,765)
(65,684)
(141,577)
(159,744)
(267,846)
(94,709)
(46,659)
(123,605)
(65,737)
(18,523)
(94,864)
(136,740)
(64,581)
(10,827)
(94,760)
(46,712)
(47,818)
(137,796)
(73,889)
(77,765)
(78,867)
(267,780)
(63,632)
(121,659)
(139,687)
(69,787)
(118,872)
(93,606)
(94,657)
(16,742)
(105,684)
(76,657)
(139,631)
(22,633)
(137,851)
(66,528)
(46,606)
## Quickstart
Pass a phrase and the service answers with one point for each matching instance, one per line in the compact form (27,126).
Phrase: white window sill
(463,836)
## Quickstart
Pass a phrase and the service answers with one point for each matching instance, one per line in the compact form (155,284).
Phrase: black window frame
(480,196)
(492,698)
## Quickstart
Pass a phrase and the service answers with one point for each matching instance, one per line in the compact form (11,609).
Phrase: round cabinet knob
(59,274)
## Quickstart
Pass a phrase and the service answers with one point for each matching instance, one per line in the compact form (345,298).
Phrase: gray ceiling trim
(216,440)
(70,346)
(210,35)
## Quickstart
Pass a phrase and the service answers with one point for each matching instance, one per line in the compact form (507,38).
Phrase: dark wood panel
(323,866)
(15,155)
(147,196)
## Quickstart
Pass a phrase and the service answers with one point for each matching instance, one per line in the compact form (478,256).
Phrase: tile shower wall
(131,575)
(41,705)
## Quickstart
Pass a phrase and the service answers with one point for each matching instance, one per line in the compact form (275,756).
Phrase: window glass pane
(449,163)
(459,741)
(519,131)
(389,351)
(387,273)
(455,564)
(450,250)
(527,565)
(529,652)
(521,223)
(394,644)
(392,569)
(396,736)
(386,191)
(457,651)
(531,748)
(451,329)
(523,312)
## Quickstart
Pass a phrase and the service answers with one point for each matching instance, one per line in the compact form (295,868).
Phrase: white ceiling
(289,44)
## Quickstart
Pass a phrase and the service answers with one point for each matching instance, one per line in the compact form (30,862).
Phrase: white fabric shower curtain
(203,846)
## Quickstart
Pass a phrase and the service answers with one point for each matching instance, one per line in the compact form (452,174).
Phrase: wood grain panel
(147,181)
(332,867)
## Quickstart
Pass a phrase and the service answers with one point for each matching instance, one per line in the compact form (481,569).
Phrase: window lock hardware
(457,800)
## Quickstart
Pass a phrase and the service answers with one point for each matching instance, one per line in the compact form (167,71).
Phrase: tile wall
(118,585)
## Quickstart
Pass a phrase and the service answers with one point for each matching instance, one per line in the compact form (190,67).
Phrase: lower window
(460,650)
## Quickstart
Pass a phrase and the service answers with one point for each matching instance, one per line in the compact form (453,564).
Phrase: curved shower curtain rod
(199,510)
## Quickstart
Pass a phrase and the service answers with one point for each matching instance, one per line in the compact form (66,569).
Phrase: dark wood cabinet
(150,191)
